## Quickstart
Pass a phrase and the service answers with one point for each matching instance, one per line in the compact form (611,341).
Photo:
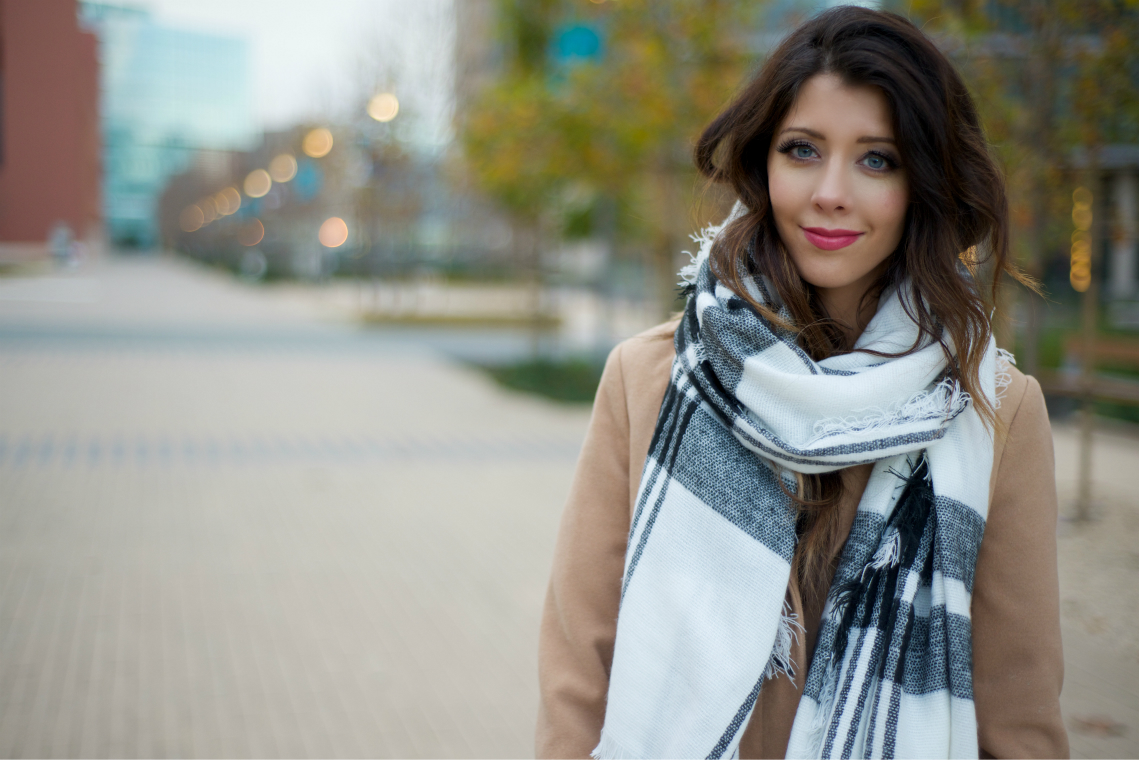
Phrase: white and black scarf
(703,622)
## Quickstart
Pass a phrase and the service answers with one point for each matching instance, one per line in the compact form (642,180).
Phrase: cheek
(889,208)
(785,196)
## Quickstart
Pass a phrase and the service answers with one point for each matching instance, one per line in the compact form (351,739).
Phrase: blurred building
(166,94)
(1118,170)
(49,128)
(478,54)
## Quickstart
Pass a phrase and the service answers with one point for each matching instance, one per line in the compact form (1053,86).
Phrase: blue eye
(879,162)
(798,150)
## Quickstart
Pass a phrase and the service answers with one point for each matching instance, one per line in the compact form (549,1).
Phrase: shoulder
(1013,389)
(642,362)
(1023,445)
(1021,414)
(651,346)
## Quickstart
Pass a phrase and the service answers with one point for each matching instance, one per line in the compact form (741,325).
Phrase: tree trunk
(1042,76)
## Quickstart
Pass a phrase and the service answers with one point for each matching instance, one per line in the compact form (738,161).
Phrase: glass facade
(164,94)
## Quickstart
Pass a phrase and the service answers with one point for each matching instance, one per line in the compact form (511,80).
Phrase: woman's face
(838,189)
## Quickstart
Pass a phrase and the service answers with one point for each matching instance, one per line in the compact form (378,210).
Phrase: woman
(773,545)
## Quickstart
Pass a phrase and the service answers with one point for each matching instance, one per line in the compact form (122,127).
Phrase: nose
(832,193)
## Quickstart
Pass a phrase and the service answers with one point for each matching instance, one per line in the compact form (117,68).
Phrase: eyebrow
(820,136)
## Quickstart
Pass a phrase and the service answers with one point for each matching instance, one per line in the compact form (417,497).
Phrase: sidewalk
(1099,594)
(230,529)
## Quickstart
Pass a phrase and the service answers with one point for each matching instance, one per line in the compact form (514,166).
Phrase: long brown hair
(956,223)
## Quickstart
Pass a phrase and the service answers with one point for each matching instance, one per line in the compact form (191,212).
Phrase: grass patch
(566,380)
(460,320)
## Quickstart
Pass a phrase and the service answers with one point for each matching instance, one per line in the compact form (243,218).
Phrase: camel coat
(1018,663)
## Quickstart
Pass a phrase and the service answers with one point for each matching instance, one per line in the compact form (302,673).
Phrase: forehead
(827,105)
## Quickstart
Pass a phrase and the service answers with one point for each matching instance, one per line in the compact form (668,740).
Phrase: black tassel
(910,519)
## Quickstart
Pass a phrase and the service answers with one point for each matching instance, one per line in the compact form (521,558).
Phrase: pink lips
(830,240)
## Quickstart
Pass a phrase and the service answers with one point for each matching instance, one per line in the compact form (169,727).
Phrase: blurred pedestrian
(820,520)
(59,243)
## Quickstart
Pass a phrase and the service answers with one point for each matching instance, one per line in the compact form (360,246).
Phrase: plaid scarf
(703,620)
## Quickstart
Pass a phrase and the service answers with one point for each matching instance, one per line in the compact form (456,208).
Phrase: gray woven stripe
(728,340)
(788,453)
(940,655)
(960,530)
(735,483)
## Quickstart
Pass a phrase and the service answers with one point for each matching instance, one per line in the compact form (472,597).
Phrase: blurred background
(303,305)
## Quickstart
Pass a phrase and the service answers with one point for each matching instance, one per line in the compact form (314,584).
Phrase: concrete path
(1099,593)
(229,528)
(233,525)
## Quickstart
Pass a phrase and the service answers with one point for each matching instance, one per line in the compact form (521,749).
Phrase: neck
(851,309)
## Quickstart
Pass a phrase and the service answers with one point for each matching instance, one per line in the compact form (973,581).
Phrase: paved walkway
(1099,594)
(231,526)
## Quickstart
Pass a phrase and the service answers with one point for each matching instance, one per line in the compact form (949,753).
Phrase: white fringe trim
(822,717)
(705,238)
(889,554)
(781,660)
(1005,360)
(944,402)
(609,749)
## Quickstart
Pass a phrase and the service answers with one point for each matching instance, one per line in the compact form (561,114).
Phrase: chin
(826,277)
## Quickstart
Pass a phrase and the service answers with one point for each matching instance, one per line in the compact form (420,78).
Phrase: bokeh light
(209,209)
(1080,272)
(383,107)
(192,218)
(283,167)
(251,233)
(227,201)
(333,232)
(317,143)
(258,183)
(233,199)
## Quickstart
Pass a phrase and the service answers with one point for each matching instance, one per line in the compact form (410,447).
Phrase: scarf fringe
(705,238)
(609,749)
(781,661)
(889,554)
(1005,360)
(822,717)
(944,402)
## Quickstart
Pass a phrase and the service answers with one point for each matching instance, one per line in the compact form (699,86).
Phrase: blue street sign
(577,43)
(308,181)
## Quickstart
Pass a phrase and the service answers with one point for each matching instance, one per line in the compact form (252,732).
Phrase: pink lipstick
(830,240)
